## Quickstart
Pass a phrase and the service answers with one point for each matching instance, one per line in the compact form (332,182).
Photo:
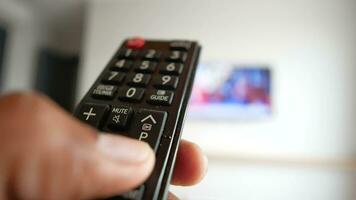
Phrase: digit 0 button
(160,97)
(150,126)
(131,94)
(119,117)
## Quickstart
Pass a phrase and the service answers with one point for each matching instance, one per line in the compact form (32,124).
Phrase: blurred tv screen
(225,90)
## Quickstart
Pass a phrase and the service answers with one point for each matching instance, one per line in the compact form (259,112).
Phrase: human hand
(47,154)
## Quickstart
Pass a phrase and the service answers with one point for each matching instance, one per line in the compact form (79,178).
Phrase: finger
(120,164)
(171,196)
(191,164)
(53,156)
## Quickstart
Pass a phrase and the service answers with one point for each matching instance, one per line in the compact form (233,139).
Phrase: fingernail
(123,149)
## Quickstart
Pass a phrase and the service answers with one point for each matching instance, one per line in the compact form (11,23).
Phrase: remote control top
(143,93)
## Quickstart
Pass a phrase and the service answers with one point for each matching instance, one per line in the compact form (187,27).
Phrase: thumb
(51,156)
(72,169)
(116,165)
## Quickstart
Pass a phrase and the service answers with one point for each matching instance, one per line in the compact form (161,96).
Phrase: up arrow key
(149,117)
(149,127)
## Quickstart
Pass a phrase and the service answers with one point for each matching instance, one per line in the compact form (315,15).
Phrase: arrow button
(149,117)
(149,127)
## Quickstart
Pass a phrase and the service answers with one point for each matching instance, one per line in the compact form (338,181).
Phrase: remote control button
(177,56)
(151,54)
(122,65)
(104,91)
(171,68)
(92,114)
(149,127)
(128,53)
(113,77)
(131,94)
(146,66)
(119,117)
(135,43)
(160,97)
(166,82)
(139,79)
(180,45)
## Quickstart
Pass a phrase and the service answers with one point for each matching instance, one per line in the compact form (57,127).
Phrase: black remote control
(143,93)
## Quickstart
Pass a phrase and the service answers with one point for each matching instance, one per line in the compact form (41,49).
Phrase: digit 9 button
(166,82)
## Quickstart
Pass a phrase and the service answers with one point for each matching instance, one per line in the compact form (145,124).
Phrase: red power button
(135,43)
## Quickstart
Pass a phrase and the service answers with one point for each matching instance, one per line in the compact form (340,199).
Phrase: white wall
(33,24)
(310,45)
(22,41)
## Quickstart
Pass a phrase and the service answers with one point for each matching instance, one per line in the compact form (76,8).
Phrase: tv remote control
(143,93)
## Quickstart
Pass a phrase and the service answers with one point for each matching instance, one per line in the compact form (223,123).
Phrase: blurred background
(274,102)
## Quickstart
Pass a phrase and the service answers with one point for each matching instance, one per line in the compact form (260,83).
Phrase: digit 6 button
(171,68)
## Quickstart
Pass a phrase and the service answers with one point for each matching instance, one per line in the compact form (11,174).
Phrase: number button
(172,68)
(151,54)
(177,56)
(113,77)
(122,65)
(131,94)
(146,66)
(166,82)
(127,53)
(139,79)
